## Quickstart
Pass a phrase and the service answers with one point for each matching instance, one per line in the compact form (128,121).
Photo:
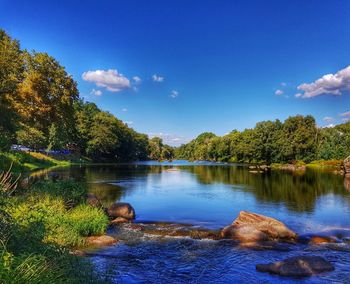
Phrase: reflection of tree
(298,192)
(98,178)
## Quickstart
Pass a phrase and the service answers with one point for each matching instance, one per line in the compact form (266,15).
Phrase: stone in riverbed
(347,166)
(299,266)
(100,241)
(121,209)
(119,220)
(251,227)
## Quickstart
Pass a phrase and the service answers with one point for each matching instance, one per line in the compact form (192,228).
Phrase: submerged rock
(121,209)
(299,266)
(317,240)
(119,220)
(259,246)
(100,241)
(251,227)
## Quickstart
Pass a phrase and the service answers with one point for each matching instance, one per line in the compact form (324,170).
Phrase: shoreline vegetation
(39,227)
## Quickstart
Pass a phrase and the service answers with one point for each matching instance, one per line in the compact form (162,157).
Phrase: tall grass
(39,227)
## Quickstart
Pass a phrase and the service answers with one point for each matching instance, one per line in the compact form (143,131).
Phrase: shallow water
(211,195)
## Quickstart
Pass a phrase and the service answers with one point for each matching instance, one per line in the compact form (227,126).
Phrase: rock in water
(119,220)
(251,227)
(299,266)
(101,241)
(121,209)
(347,167)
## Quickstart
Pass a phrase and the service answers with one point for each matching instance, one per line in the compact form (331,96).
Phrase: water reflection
(298,193)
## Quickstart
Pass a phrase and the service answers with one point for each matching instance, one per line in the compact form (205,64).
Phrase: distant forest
(296,139)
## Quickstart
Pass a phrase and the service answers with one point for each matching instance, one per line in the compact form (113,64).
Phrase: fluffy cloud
(137,79)
(170,139)
(279,92)
(283,84)
(345,114)
(95,92)
(109,79)
(174,94)
(328,119)
(124,109)
(157,78)
(329,84)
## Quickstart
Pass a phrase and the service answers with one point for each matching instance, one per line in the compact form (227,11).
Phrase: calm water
(210,196)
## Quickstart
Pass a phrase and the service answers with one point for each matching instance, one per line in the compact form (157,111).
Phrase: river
(210,195)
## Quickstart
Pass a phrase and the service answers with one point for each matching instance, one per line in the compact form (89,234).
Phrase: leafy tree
(57,137)
(46,95)
(31,137)
(104,136)
(11,67)
(155,148)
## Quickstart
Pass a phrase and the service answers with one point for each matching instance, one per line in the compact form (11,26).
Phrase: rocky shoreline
(248,231)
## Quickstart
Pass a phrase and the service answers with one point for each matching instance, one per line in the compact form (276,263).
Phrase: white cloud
(283,84)
(170,139)
(128,122)
(174,94)
(331,125)
(157,78)
(124,109)
(137,79)
(96,92)
(345,114)
(345,119)
(298,95)
(329,84)
(328,119)
(279,92)
(109,79)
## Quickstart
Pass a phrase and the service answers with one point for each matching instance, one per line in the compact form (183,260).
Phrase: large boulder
(252,227)
(121,209)
(299,266)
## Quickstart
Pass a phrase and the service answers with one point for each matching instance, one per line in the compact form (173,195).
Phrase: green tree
(58,138)
(11,72)
(46,95)
(31,137)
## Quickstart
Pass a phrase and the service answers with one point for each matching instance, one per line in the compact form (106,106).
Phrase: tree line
(40,108)
(296,139)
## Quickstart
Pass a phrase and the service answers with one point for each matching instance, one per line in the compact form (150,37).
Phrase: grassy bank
(28,161)
(326,165)
(38,229)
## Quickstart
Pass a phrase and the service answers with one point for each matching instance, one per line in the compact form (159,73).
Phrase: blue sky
(203,65)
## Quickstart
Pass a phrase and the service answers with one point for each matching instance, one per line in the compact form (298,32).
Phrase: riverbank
(28,161)
(31,161)
(40,226)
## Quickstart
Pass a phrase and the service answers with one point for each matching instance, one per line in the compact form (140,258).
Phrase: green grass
(326,164)
(28,161)
(38,229)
